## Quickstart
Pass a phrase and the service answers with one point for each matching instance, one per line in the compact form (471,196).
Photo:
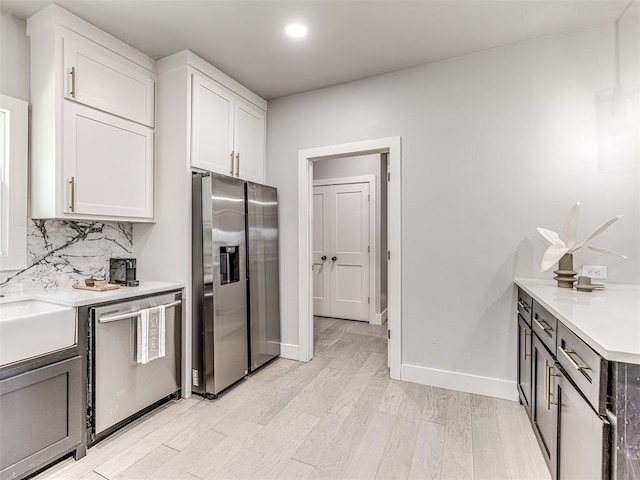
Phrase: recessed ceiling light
(296,30)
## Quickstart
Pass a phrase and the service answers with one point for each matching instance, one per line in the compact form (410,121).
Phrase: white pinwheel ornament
(559,247)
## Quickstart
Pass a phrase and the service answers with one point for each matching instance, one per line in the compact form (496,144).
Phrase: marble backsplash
(60,253)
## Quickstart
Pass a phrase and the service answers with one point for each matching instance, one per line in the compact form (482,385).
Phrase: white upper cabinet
(249,142)
(99,78)
(92,148)
(109,164)
(211,126)
(228,131)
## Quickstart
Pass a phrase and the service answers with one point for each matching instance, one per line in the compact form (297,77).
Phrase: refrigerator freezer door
(223,291)
(264,291)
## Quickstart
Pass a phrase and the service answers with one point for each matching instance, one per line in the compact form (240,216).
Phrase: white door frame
(306,157)
(373,253)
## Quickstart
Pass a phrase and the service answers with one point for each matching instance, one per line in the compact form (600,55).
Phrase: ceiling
(348,39)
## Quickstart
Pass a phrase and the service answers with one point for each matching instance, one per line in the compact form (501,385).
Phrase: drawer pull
(524,305)
(567,353)
(542,324)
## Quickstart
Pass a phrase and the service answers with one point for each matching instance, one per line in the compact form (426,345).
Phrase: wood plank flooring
(338,416)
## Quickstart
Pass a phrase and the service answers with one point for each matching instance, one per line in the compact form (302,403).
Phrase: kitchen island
(579,376)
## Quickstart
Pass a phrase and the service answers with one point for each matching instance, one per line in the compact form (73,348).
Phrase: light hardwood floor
(338,416)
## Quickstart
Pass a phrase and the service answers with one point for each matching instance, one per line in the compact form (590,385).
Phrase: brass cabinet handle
(544,326)
(231,171)
(523,305)
(524,344)
(547,385)
(237,164)
(567,353)
(72,93)
(72,182)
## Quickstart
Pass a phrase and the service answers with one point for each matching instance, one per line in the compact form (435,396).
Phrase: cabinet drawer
(524,305)
(586,368)
(107,81)
(546,326)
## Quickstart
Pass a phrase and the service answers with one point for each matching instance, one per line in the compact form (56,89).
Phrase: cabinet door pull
(567,353)
(542,324)
(547,385)
(524,344)
(72,182)
(231,158)
(237,164)
(72,93)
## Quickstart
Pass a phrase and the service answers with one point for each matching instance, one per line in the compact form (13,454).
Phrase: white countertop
(72,297)
(608,321)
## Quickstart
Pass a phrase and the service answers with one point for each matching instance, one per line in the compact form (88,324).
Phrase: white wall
(357,166)
(14,56)
(493,145)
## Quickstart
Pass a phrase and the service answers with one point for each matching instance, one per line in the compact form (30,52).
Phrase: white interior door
(321,279)
(341,234)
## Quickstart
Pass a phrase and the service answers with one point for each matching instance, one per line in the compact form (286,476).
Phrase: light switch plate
(595,271)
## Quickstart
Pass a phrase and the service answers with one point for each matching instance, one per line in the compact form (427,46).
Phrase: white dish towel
(151,334)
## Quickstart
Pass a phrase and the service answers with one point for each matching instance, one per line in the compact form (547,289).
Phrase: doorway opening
(350,238)
(390,149)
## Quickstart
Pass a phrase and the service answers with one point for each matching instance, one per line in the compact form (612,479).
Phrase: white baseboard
(289,351)
(379,318)
(463,382)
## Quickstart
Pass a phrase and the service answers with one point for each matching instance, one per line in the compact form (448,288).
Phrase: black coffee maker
(123,271)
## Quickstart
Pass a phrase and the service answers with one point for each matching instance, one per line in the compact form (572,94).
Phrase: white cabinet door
(211,126)
(341,230)
(249,142)
(108,164)
(107,81)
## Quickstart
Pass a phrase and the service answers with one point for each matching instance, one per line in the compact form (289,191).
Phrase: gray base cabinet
(583,436)
(41,412)
(568,396)
(524,364)
(544,415)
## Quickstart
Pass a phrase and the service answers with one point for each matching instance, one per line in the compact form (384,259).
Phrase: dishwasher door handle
(124,316)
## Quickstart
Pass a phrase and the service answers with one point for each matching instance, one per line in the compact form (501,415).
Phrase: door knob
(333,259)
(323,258)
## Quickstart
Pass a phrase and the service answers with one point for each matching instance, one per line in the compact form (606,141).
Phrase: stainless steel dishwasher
(119,388)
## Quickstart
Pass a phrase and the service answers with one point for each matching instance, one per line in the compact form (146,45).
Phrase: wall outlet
(594,271)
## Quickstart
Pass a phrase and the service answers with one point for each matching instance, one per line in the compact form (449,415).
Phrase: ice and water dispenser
(229,264)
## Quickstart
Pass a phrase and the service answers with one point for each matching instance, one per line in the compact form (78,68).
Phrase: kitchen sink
(30,328)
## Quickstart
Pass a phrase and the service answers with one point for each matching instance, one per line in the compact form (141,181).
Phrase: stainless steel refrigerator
(264,291)
(236,315)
